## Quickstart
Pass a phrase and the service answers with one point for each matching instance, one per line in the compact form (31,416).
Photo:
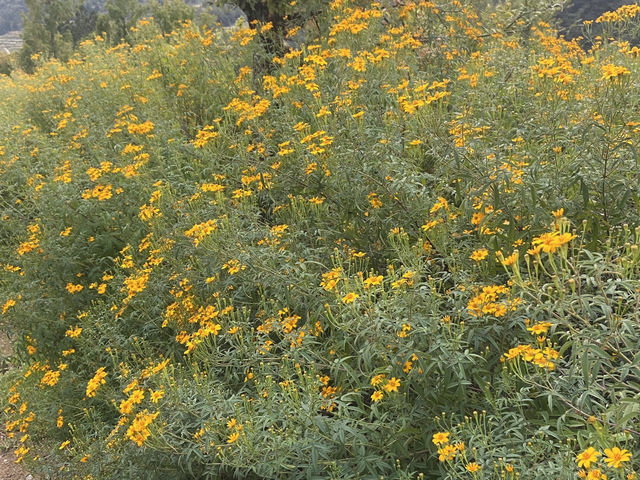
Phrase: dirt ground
(8,469)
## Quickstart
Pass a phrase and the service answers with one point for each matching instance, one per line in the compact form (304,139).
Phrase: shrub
(407,249)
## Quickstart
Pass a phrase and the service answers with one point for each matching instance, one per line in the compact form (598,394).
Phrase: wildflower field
(405,246)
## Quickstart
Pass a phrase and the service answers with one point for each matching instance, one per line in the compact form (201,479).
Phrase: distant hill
(10,42)
(10,15)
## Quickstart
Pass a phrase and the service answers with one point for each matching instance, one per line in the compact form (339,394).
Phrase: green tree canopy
(43,32)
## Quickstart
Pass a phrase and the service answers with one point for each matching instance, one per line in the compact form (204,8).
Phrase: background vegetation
(576,11)
(401,242)
(573,13)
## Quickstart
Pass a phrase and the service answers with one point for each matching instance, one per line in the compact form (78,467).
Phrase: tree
(171,13)
(227,14)
(279,12)
(83,23)
(6,64)
(282,14)
(121,16)
(43,32)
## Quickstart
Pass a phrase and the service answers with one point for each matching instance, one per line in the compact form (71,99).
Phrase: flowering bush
(407,247)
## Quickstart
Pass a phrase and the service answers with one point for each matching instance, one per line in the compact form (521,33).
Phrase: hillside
(10,42)
(401,241)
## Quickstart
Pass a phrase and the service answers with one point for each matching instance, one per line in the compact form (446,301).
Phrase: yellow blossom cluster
(614,457)
(94,383)
(624,13)
(487,302)
(33,242)
(201,230)
(550,242)
(101,192)
(140,128)
(204,136)
(138,431)
(541,357)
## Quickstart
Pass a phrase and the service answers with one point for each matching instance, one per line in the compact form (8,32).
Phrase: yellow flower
(349,297)
(95,382)
(440,438)
(138,432)
(377,380)
(374,200)
(540,328)
(373,280)
(156,395)
(233,437)
(510,260)
(611,71)
(140,128)
(204,136)
(596,474)
(377,396)
(392,385)
(550,242)
(198,232)
(50,378)
(472,467)
(586,458)
(615,457)
(479,255)
(447,453)
(8,304)
(441,203)
(73,332)
(137,396)
(71,288)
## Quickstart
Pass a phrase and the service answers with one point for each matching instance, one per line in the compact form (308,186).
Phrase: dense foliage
(406,248)
(11,11)
(573,12)
(54,28)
